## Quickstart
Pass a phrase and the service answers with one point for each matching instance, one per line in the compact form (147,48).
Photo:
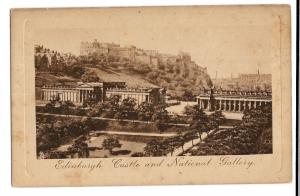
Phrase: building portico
(235,101)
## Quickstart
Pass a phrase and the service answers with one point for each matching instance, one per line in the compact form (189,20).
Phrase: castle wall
(144,59)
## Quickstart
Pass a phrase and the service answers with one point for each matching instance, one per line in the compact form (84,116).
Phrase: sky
(226,41)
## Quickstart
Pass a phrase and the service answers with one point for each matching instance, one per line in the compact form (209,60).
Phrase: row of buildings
(210,100)
(255,81)
(47,60)
(100,91)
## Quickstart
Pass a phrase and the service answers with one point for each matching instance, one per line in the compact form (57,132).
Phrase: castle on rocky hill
(134,54)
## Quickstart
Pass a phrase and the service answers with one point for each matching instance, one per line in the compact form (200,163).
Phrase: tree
(75,71)
(89,102)
(54,60)
(44,63)
(216,119)
(199,121)
(90,76)
(127,107)
(145,111)
(155,148)
(160,117)
(172,143)
(194,112)
(187,96)
(96,109)
(111,143)
(49,107)
(65,107)
(80,147)
(112,105)
(46,138)
(181,139)
(143,69)
(190,136)
(153,75)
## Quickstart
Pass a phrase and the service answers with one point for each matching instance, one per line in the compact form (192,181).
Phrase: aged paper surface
(151,95)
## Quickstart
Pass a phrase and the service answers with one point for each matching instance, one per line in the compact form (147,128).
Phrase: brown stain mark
(74,177)
(18,137)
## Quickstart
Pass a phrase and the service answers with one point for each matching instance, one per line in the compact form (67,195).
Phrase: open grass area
(126,150)
(132,80)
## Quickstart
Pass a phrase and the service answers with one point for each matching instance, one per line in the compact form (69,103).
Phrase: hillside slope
(175,84)
(146,76)
(176,73)
(112,75)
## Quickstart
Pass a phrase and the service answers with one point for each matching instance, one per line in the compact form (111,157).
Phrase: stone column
(255,104)
(234,105)
(78,96)
(249,104)
(229,105)
(220,105)
(240,105)
(225,105)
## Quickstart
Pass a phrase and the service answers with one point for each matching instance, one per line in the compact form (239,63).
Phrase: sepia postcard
(151,95)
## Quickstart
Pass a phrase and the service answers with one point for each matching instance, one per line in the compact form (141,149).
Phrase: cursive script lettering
(228,161)
(61,164)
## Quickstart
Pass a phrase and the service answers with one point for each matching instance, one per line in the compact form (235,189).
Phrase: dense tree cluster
(113,107)
(199,123)
(252,136)
(52,132)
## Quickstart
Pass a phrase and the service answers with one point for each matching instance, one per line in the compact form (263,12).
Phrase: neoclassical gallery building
(235,101)
(100,91)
